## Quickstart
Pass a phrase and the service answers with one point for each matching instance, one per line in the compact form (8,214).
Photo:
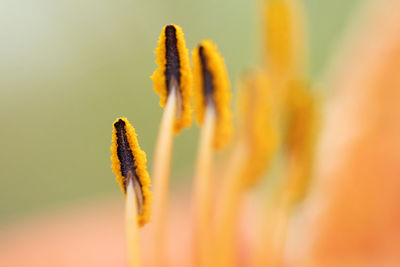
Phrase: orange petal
(352,217)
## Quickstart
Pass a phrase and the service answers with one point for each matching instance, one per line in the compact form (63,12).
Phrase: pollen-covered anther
(129,164)
(211,90)
(284,27)
(258,129)
(173,75)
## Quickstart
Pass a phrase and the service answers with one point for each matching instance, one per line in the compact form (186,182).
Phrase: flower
(339,208)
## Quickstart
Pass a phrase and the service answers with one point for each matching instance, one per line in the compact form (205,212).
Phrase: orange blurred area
(91,235)
(94,235)
(352,215)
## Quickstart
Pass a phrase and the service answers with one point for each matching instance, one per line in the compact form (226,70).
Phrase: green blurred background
(69,68)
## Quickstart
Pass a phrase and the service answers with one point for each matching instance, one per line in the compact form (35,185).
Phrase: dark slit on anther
(172,57)
(208,86)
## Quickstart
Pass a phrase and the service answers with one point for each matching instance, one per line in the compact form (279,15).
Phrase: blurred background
(68,69)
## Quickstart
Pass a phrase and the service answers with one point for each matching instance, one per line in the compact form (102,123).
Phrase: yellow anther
(129,163)
(174,71)
(284,36)
(256,119)
(211,90)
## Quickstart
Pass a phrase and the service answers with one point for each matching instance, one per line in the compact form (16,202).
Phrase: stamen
(161,174)
(270,241)
(251,155)
(173,82)
(173,64)
(211,87)
(125,156)
(203,184)
(257,121)
(131,229)
(212,102)
(285,42)
(132,178)
(300,139)
(299,147)
(228,206)
(129,163)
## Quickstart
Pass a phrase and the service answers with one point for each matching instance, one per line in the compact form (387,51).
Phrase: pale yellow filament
(270,242)
(161,174)
(131,224)
(228,208)
(300,141)
(203,185)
